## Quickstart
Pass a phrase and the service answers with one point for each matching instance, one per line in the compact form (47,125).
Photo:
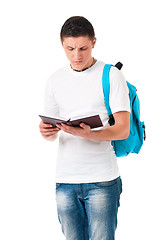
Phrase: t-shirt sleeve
(50,106)
(119,92)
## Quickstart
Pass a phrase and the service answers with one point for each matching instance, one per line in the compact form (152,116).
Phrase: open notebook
(92,121)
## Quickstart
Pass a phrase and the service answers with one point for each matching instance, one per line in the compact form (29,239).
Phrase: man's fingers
(47,129)
(51,129)
(45,125)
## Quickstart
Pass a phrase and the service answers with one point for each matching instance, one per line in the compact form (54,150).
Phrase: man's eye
(83,49)
(70,49)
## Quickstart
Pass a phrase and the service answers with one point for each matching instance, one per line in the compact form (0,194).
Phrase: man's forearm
(119,131)
(115,132)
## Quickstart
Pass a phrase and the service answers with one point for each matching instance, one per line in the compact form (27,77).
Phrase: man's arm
(119,131)
(48,131)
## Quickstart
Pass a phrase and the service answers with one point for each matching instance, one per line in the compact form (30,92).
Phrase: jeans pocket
(107,183)
(114,186)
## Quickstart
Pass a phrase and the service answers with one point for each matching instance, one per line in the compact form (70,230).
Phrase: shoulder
(115,72)
(117,77)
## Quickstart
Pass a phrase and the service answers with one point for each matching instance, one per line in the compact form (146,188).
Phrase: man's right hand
(48,131)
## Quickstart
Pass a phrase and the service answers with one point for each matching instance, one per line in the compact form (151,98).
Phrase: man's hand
(48,131)
(82,131)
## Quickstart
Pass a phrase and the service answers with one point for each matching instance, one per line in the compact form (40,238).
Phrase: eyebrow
(80,47)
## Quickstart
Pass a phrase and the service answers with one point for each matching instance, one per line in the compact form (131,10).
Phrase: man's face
(79,51)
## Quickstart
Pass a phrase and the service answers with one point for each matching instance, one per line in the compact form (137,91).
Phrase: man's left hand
(82,131)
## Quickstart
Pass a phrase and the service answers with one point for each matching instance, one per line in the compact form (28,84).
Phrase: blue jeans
(89,210)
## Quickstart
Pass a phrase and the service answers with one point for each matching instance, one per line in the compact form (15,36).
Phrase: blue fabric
(135,140)
(89,210)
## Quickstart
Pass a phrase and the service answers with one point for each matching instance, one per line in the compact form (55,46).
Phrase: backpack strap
(106,88)
(106,91)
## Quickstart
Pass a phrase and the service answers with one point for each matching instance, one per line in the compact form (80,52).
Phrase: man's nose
(77,54)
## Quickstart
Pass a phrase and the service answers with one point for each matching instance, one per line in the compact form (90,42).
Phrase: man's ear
(94,42)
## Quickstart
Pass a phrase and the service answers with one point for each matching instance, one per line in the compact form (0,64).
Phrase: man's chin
(78,66)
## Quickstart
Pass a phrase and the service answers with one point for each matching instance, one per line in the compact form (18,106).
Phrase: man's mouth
(78,62)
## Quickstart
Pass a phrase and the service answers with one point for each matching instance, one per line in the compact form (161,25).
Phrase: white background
(133,32)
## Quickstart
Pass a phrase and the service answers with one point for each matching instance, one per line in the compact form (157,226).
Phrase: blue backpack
(136,137)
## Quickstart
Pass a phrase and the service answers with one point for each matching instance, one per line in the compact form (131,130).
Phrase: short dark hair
(77,26)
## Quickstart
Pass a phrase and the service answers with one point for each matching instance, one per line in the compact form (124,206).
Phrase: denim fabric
(88,211)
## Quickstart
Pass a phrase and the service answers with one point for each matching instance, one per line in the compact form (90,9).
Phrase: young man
(88,183)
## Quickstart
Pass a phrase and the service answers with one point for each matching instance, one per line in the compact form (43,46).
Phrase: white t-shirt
(71,94)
